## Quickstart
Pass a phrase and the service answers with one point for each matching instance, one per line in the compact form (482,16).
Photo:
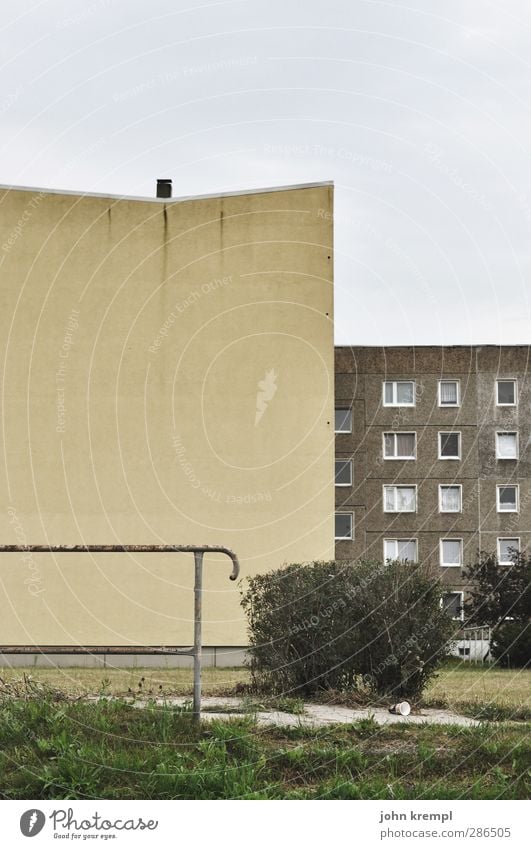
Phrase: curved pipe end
(235,568)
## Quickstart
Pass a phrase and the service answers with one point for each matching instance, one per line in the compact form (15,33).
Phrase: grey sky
(419,112)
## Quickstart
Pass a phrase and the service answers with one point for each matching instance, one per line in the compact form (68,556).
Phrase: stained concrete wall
(167,378)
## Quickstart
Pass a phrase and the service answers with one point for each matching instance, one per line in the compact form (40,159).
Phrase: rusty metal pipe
(196,652)
(198,598)
(80,549)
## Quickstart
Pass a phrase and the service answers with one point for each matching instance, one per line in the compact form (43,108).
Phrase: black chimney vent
(164,188)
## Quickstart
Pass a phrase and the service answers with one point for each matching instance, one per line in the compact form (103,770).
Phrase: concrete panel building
(432,455)
(167,377)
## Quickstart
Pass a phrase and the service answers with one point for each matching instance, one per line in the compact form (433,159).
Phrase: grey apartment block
(471,417)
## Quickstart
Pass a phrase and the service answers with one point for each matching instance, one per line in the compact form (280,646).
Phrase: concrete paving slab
(314,715)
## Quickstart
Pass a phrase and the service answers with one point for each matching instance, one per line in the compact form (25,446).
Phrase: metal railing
(476,639)
(195,651)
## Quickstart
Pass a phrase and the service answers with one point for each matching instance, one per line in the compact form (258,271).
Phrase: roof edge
(259,191)
(415,345)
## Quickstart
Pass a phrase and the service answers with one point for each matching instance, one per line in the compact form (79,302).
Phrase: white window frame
(506,433)
(444,432)
(517,546)
(395,402)
(461,616)
(441,549)
(517,499)
(400,486)
(349,409)
(458,386)
(398,540)
(507,380)
(395,433)
(343,460)
(458,486)
(345,513)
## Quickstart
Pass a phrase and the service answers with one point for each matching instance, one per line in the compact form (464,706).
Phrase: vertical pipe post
(198,594)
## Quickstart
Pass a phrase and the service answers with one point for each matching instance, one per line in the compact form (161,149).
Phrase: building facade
(167,378)
(432,455)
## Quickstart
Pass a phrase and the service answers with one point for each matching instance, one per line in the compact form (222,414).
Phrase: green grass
(76,750)
(252,705)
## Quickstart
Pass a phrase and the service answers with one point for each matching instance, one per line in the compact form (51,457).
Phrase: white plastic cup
(403,708)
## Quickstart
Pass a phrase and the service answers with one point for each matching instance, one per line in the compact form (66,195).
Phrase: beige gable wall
(135,336)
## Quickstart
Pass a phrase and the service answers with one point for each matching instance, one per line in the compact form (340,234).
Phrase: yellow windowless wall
(167,378)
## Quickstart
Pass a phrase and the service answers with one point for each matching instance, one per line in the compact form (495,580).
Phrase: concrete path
(314,715)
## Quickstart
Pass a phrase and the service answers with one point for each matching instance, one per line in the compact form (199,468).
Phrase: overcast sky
(419,111)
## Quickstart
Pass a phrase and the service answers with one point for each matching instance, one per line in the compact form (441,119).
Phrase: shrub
(501,597)
(498,591)
(342,625)
(511,644)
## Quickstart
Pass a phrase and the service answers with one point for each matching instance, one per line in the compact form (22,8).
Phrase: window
(506,393)
(400,499)
(400,446)
(343,423)
(344,526)
(399,393)
(449,445)
(507,546)
(450,499)
(448,393)
(507,445)
(507,498)
(343,472)
(452,603)
(400,549)
(451,552)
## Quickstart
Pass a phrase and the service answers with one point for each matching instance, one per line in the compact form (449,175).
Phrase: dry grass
(459,686)
(117,682)
(462,686)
